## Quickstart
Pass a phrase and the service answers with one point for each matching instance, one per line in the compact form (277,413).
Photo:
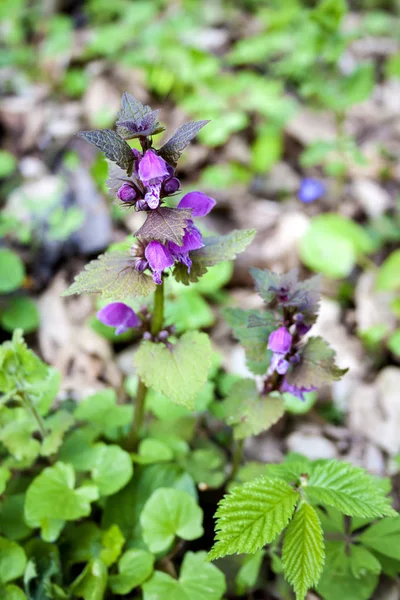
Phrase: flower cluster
(123,318)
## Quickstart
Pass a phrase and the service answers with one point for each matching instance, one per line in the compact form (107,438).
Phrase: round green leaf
(91,583)
(12,271)
(12,523)
(389,273)
(8,163)
(13,592)
(12,560)
(112,468)
(134,566)
(21,313)
(168,513)
(331,245)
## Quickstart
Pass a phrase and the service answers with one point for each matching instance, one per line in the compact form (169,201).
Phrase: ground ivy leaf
(349,489)
(165,224)
(169,513)
(57,425)
(173,148)
(112,542)
(197,581)
(252,515)
(255,415)
(216,249)
(317,365)
(134,567)
(102,411)
(91,583)
(253,339)
(12,560)
(12,523)
(113,275)
(178,373)
(303,550)
(53,493)
(112,468)
(113,146)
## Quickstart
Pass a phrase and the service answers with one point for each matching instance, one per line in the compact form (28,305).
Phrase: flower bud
(141,205)
(141,264)
(147,336)
(280,341)
(126,193)
(171,185)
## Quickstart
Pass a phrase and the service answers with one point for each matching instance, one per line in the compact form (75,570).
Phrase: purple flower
(280,341)
(152,171)
(296,391)
(159,258)
(170,186)
(279,364)
(120,316)
(127,193)
(200,203)
(310,190)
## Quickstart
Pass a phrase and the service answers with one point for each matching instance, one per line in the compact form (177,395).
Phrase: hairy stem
(156,326)
(237,459)
(38,418)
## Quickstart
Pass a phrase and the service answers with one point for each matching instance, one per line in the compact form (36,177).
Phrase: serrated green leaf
(198,580)
(12,560)
(303,550)
(317,365)
(349,489)
(51,499)
(251,516)
(248,573)
(173,148)
(215,250)
(91,583)
(165,224)
(135,119)
(169,513)
(383,537)
(253,339)
(178,373)
(111,469)
(113,146)
(113,275)
(134,567)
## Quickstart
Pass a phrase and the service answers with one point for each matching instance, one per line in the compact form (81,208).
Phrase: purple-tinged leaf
(216,249)
(113,146)
(113,275)
(269,285)
(136,119)
(316,367)
(165,224)
(173,148)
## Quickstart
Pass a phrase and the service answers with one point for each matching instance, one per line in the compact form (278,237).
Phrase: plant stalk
(236,460)
(38,418)
(156,326)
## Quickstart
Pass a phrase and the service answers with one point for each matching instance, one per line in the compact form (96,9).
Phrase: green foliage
(169,513)
(21,313)
(248,573)
(12,271)
(8,163)
(388,274)
(197,580)
(180,372)
(12,560)
(113,146)
(134,568)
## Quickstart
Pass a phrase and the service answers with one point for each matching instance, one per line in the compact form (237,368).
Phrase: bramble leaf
(303,550)
(216,249)
(198,580)
(173,148)
(253,339)
(134,567)
(113,146)
(349,489)
(317,365)
(180,372)
(165,224)
(252,515)
(113,275)
(169,513)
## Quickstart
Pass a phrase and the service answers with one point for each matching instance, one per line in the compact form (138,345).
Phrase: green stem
(236,460)
(38,418)
(156,326)
(158,314)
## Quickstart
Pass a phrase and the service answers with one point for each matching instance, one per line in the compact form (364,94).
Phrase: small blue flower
(310,190)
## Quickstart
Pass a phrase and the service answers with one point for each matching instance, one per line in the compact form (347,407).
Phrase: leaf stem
(236,460)
(156,326)
(38,418)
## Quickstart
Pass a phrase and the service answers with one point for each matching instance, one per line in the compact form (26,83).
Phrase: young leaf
(169,513)
(216,249)
(134,567)
(349,489)
(383,537)
(12,560)
(165,224)
(113,146)
(178,373)
(112,468)
(317,365)
(135,119)
(254,415)
(253,339)
(303,550)
(173,148)
(91,583)
(251,516)
(112,542)
(269,284)
(198,580)
(113,275)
